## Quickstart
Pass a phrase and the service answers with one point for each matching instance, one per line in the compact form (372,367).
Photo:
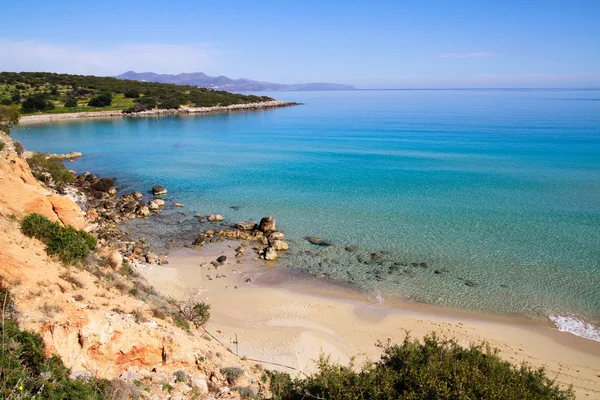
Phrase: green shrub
(70,245)
(50,170)
(39,227)
(232,374)
(36,102)
(198,313)
(70,101)
(9,117)
(2,144)
(434,369)
(101,100)
(132,93)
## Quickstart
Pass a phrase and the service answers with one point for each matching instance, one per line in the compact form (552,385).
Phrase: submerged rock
(178,205)
(158,190)
(317,241)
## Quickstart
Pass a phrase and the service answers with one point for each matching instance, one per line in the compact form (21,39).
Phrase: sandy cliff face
(22,194)
(93,326)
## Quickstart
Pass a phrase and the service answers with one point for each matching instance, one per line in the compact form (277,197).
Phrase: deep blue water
(497,187)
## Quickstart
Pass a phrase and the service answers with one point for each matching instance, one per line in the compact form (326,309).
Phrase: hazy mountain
(225,83)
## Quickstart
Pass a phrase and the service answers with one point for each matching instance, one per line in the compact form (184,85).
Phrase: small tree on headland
(103,99)
(9,117)
(36,102)
(70,101)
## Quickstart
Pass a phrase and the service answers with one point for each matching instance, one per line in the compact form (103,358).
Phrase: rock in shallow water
(216,217)
(158,190)
(317,241)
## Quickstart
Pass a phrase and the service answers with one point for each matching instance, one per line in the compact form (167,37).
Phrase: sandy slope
(290,323)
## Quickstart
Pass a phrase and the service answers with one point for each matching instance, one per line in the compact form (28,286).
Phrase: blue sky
(371,44)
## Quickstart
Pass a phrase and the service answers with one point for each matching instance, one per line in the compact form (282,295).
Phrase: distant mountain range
(224,83)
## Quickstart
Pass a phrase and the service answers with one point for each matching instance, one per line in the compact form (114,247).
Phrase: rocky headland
(39,118)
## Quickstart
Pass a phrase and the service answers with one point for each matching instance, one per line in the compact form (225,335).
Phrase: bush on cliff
(50,170)
(70,245)
(27,373)
(434,369)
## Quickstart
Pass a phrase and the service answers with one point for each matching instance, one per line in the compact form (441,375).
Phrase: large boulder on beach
(158,190)
(267,224)
(104,185)
(245,225)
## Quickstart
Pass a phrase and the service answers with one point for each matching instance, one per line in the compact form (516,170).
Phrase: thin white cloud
(65,58)
(468,55)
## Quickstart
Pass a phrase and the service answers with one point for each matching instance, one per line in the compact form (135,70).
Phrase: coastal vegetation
(51,170)
(9,117)
(428,369)
(70,245)
(44,92)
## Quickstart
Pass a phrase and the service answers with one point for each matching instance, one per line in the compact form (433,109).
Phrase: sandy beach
(290,321)
(41,118)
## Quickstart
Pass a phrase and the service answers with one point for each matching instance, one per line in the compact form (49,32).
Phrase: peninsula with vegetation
(44,96)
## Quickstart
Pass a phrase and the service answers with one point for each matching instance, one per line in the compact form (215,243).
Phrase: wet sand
(289,319)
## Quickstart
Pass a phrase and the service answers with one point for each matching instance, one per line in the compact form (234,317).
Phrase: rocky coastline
(105,210)
(40,118)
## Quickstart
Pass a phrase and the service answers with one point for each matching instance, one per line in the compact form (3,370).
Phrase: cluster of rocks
(265,232)
(103,205)
(104,209)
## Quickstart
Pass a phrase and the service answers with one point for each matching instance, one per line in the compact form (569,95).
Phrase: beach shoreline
(291,323)
(43,118)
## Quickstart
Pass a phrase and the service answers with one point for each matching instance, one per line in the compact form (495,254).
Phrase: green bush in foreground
(50,170)
(70,245)
(26,373)
(434,369)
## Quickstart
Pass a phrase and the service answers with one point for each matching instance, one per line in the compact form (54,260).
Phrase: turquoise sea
(487,200)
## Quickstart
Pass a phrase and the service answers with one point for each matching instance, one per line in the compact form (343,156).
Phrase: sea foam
(576,326)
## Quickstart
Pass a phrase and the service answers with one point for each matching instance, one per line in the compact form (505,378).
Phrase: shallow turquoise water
(497,187)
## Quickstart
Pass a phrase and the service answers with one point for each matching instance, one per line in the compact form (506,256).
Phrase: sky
(369,44)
